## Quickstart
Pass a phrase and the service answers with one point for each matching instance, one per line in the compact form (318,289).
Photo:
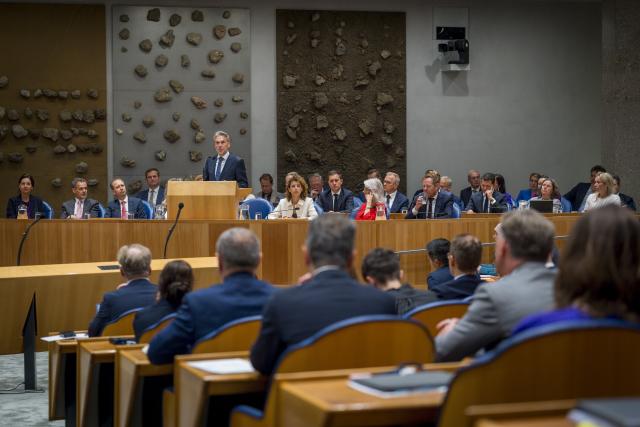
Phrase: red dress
(365,214)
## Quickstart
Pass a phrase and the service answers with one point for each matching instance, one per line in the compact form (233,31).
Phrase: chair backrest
(152,330)
(363,341)
(122,325)
(356,201)
(101,211)
(455,211)
(319,210)
(258,205)
(147,208)
(566,205)
(431,314)
(48,210)
(238,335)
(567,360)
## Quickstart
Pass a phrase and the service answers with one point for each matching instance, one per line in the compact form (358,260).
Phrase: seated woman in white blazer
(296,204)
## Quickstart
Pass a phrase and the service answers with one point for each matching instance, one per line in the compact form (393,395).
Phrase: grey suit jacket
(496,309)
(90,206)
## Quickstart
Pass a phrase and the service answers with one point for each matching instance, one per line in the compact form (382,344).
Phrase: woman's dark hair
(599,265)
(26,175)
(499,180)
(176,280)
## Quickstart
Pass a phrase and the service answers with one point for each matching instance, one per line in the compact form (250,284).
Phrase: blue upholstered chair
(147,208)
(48,210)
(258,205)
(101,211)
(431,314)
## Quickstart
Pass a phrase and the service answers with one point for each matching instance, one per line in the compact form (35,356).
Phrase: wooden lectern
(204,199)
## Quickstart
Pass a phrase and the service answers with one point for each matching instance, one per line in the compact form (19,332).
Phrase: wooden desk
(131,369)
(527,414)
(62,379)
(332,402)
(67,294)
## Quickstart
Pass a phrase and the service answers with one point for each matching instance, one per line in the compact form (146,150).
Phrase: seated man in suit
(329,296)
(523,243)
(239,295)
(381,268)
(579,193)
(431,203)
(80,205)
(625,201)
(437,253)
(266,190)
(488,200)
(225,166)
(336,198)
(445,185)
(395,200)
(123,206)
(137,292)
(464,256)
(154,194)
(316,185)
(473,178)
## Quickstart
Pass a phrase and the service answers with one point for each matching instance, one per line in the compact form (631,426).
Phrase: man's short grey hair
(445,181)
(330,240)
(395,176)
(76,180)
(135,260)
(238,248)
(222,133)
(375,186)
(314,175)
(528,234)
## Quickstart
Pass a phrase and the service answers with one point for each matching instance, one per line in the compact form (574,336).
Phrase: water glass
(258,216)
(380,214)
(159,212)
(22,212)
(244,212)
(404,211)
(86,216)
(131,215)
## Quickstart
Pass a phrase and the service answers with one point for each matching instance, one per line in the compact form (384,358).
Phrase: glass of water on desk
(244,212)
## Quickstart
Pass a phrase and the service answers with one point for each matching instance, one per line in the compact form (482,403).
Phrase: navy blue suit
(443,208)
(144,195)
(203,311)
(439,276)
(233,170)
(459,288)
(399,202)
(477,199)
(577,194)
(465,195)
(345,201)
(138,293)
(35,205)
(134,204)
(627,201)
(151,315)
(297,313)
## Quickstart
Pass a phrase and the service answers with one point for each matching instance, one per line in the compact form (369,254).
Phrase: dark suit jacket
(151,315)
(138,293)
(89,206)
(144,195)
(399,202)
(438,277)
(233,170)
(475,203)
(408,298)
(297,313)
(345,201)
(203,311)
(443,209)
(627,201)
(135,206)
(459,288)
(577,194)
(465,195)
(35,205)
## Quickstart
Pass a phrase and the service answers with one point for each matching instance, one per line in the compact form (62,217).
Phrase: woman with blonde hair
(603,193)
(296,204)
(374,200)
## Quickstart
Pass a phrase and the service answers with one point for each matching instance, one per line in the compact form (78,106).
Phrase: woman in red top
(374,196)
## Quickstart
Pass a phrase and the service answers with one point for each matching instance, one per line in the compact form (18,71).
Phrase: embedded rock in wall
(127,162)
(153,15)
(124,34)
(215,56)
(28,113)
(75,94)
(209,73)
(42,115)
(34,133)
(25,93)
(63,94)
(226,14)
(219,31)
(236,47)
(219,117)
(194,39)
(365,127)
(15,157)
(197,16)
(175,20)
(66,134)
(92,93)
(51,134)
(4,81)
(18,131)
(71,148)
(171,135)
(185,61)
(13,115)
(148,121)
(219,102)
(88,116)
(176,86)
(322,122)
(195,156)
(140,137)
(92,182)
(82,167)
(176,116)
(200,137)
(145,45)
(234,31)
(161,155)
(198,102)
(56,182)
(162,95)
(167,39)
(126,117)
(134,186)
(195,125)
(161,61)
(59,149)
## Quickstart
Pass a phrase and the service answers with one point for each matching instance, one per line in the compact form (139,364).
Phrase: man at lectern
(225,166)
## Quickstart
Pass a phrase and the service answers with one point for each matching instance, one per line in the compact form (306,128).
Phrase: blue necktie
(219,168)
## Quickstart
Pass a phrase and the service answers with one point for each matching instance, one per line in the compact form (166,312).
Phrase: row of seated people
(528,295)
(524,241)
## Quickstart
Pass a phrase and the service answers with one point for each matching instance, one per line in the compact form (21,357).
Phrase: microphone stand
(166,242)
(24,237)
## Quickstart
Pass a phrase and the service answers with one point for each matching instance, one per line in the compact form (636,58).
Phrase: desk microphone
(24,237)
(286,210)
(166,242)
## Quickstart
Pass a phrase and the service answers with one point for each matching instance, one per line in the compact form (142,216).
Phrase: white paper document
(224,366)
(60,337)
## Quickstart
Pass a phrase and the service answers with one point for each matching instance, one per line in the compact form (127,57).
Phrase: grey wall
(531,101)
